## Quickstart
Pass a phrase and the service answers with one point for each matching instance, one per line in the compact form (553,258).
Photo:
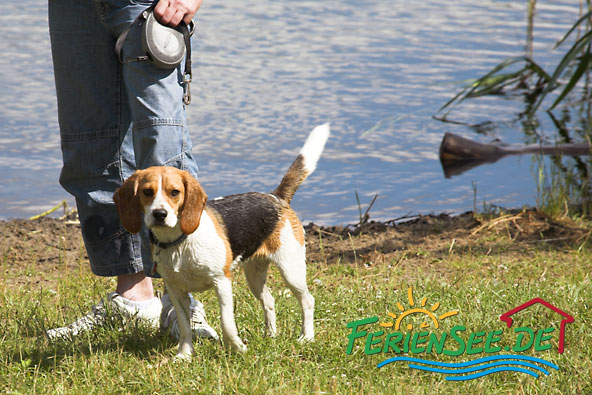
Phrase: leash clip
(186,88)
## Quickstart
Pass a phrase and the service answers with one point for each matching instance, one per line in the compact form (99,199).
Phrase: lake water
(267,72)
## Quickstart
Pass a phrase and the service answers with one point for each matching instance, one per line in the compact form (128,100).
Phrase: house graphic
(506,317)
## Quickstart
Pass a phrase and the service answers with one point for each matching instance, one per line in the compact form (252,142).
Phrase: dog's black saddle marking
(249,218)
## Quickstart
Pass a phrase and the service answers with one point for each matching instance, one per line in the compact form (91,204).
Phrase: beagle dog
(196,243)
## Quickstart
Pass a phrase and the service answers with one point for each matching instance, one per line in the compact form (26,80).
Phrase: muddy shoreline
(47,245)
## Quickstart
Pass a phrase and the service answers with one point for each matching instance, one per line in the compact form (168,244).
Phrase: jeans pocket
(91,165)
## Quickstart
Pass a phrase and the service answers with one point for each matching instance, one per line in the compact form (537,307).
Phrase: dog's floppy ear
(193,205)
(128,204)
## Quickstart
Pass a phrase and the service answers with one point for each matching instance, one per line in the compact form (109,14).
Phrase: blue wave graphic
(490,371)
(481,367)
(502,366)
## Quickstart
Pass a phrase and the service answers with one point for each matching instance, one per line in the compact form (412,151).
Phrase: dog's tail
(305,163)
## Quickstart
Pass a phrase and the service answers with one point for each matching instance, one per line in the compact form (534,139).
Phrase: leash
(147,19)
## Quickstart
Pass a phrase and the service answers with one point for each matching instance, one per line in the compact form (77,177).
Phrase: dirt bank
(39,247)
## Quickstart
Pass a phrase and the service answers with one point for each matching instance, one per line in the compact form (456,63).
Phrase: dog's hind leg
(181,302)
(256,275)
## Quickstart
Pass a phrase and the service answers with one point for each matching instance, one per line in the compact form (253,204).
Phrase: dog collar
(164,246)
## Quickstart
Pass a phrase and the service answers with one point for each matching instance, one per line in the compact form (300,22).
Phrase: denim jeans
(114,118)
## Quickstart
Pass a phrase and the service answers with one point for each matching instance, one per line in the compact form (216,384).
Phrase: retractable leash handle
(163,46)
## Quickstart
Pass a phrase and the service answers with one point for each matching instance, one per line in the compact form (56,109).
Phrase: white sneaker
(199,325)
(148,312)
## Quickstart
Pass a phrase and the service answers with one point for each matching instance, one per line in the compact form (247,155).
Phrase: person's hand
(172,12)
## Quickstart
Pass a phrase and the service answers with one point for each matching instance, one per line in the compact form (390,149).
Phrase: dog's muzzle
(159,216)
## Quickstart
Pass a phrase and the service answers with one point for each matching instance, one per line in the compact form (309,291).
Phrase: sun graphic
(431,313)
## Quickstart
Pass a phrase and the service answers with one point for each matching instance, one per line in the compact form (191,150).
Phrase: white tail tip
(314,145)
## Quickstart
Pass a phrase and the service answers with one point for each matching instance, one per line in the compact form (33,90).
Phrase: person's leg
(137,286)
(154,98)
(95,130)
(160,136)
(99,148)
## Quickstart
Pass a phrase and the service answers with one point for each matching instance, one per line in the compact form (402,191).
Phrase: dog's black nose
(159,214)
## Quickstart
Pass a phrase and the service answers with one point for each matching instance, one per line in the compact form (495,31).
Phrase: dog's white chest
(194,264)
(182,273)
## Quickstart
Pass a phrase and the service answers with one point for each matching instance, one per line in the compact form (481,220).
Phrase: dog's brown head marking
(164,195)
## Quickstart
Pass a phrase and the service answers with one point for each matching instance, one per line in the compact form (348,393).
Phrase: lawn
(479,269)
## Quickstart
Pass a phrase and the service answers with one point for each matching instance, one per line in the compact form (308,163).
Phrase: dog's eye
(148,192)
(174,192)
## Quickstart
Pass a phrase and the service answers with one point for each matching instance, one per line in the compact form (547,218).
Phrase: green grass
(480,284)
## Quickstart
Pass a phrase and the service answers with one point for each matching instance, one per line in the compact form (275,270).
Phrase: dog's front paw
(182,357)
(305,339)
(237,345)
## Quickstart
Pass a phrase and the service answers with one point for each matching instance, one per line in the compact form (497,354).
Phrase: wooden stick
(459,154)
(457,147)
